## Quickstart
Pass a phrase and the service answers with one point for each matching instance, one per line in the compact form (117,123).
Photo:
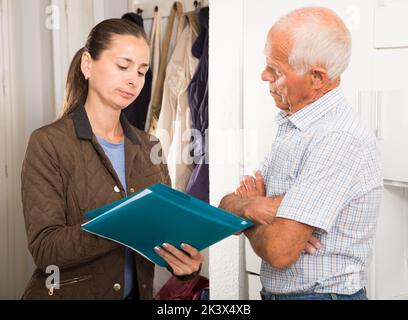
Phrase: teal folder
(161,214)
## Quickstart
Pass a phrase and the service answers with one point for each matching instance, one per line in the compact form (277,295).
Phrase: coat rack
(146,8)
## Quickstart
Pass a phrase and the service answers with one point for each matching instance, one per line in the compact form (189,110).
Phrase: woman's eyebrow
(127,59)
(143,65)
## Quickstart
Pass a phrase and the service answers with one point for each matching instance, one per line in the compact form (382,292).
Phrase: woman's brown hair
(99,39)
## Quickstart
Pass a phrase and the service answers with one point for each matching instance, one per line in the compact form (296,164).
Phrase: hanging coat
(136,112)
(155,56)
(174,125)
(157,94)
(198,185)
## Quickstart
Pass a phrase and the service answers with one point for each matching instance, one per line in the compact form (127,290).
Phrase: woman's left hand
(181,263)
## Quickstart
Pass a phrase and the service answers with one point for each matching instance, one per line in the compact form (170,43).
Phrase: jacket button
(116,189)
(144,286)
(132,190)
(116,287)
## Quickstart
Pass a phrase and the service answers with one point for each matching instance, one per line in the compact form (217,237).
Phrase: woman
(88,158)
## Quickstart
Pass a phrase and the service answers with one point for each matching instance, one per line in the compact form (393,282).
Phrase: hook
(196,4)
(156,8)
(139,11)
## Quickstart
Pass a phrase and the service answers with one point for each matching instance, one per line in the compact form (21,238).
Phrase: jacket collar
(83,127)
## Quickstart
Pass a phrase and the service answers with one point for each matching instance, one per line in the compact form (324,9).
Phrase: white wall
(390,267)
(227,279)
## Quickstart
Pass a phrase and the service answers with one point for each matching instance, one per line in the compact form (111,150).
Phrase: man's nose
(267,76)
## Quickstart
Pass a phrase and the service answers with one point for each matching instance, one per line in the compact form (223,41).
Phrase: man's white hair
(319,39)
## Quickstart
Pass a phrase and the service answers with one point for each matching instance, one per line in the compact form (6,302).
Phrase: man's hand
(252,186)
(312,245)
(262,210)
(258,208)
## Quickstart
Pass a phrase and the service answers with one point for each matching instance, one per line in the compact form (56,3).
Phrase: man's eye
(276,73)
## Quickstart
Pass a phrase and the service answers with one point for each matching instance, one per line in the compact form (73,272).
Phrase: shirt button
(132,190)
(116,189)
(116,287)
(144,286)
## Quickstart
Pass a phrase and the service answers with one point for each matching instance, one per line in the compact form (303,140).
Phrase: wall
(227,280)
(390,261)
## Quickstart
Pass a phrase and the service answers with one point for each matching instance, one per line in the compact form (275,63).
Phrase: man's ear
(86,65)
(319,78)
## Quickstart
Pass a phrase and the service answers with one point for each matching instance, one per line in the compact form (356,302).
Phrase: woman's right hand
(181,263)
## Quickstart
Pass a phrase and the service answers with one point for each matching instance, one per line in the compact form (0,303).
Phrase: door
(391,121)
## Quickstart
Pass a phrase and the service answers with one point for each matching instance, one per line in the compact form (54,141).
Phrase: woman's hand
(181,263)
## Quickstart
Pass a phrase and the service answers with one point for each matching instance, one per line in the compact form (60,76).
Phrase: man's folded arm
(281,242)
(234,204)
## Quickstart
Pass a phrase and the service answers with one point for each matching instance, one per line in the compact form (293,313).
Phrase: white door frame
(226,267)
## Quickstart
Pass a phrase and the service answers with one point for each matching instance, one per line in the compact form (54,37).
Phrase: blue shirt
(116,154)
(327,165)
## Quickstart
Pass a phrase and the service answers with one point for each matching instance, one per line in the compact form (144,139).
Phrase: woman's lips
(126,95)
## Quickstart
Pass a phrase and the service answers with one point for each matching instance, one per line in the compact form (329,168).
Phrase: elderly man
(322,177)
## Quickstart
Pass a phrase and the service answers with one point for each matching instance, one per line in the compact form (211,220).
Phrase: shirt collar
(83,127)
(305,117)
